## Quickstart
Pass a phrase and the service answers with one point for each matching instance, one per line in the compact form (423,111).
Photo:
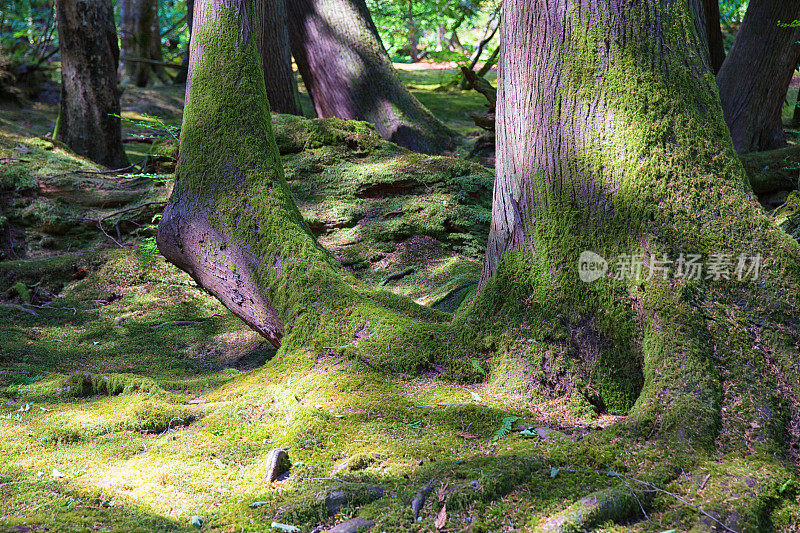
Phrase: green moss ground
(109,423)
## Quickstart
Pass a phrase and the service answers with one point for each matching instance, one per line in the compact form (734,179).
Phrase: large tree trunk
(276,56)
(755,77)
(88,120)
(611,139)
(349,75)
(231,222)
(139,39)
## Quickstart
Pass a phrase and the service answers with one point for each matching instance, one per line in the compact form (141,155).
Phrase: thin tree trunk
(182,75)
(707,22)
(611,144)
(716,46)
(155,50)
(441,38)
(349,75)
(88,120)
(755,77)
(276,56)
(796,113)
(413,32)
(139,28)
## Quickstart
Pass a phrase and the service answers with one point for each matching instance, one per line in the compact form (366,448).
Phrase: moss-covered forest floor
(130,400)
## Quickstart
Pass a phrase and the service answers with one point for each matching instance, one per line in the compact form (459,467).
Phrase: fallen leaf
(466,434)
(284,527)
(441,518)
(255,505)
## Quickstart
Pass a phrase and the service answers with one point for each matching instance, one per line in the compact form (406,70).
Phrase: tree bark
(349,75)
(610,138)
(140,37)
(276,57)
(88,120)
(755,77)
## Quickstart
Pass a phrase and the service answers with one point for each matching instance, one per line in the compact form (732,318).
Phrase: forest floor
(133,401)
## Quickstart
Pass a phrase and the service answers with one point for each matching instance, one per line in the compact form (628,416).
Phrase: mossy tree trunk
(140,38)
(88,120)
(276,56)
(755,77)
(611,139)
(349,74)
(232,224)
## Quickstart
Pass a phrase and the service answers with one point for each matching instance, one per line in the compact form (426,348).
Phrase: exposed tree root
(615,504)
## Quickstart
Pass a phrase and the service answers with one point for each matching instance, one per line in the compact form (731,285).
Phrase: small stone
(278,464)
(547,433)
(354,525)
(337,499)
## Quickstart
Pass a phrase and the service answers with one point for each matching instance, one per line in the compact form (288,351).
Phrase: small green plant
(476,366)
(505,428)
(148,249)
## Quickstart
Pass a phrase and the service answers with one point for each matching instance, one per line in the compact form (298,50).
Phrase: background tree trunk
(182,74)
(610,138)
(755,77)
(348,74)
(89,93)
(413,32)
(710,31)
(276,56)
(140,38)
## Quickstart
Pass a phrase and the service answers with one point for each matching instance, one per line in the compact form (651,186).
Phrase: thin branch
(383,400)
(19,308)
(438,405)
(176,323)
(172,28)
(153,62)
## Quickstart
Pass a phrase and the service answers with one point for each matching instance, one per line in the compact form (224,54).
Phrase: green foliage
(156,124)
(732,11)
(505,428)
(28,29)
(397,20)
